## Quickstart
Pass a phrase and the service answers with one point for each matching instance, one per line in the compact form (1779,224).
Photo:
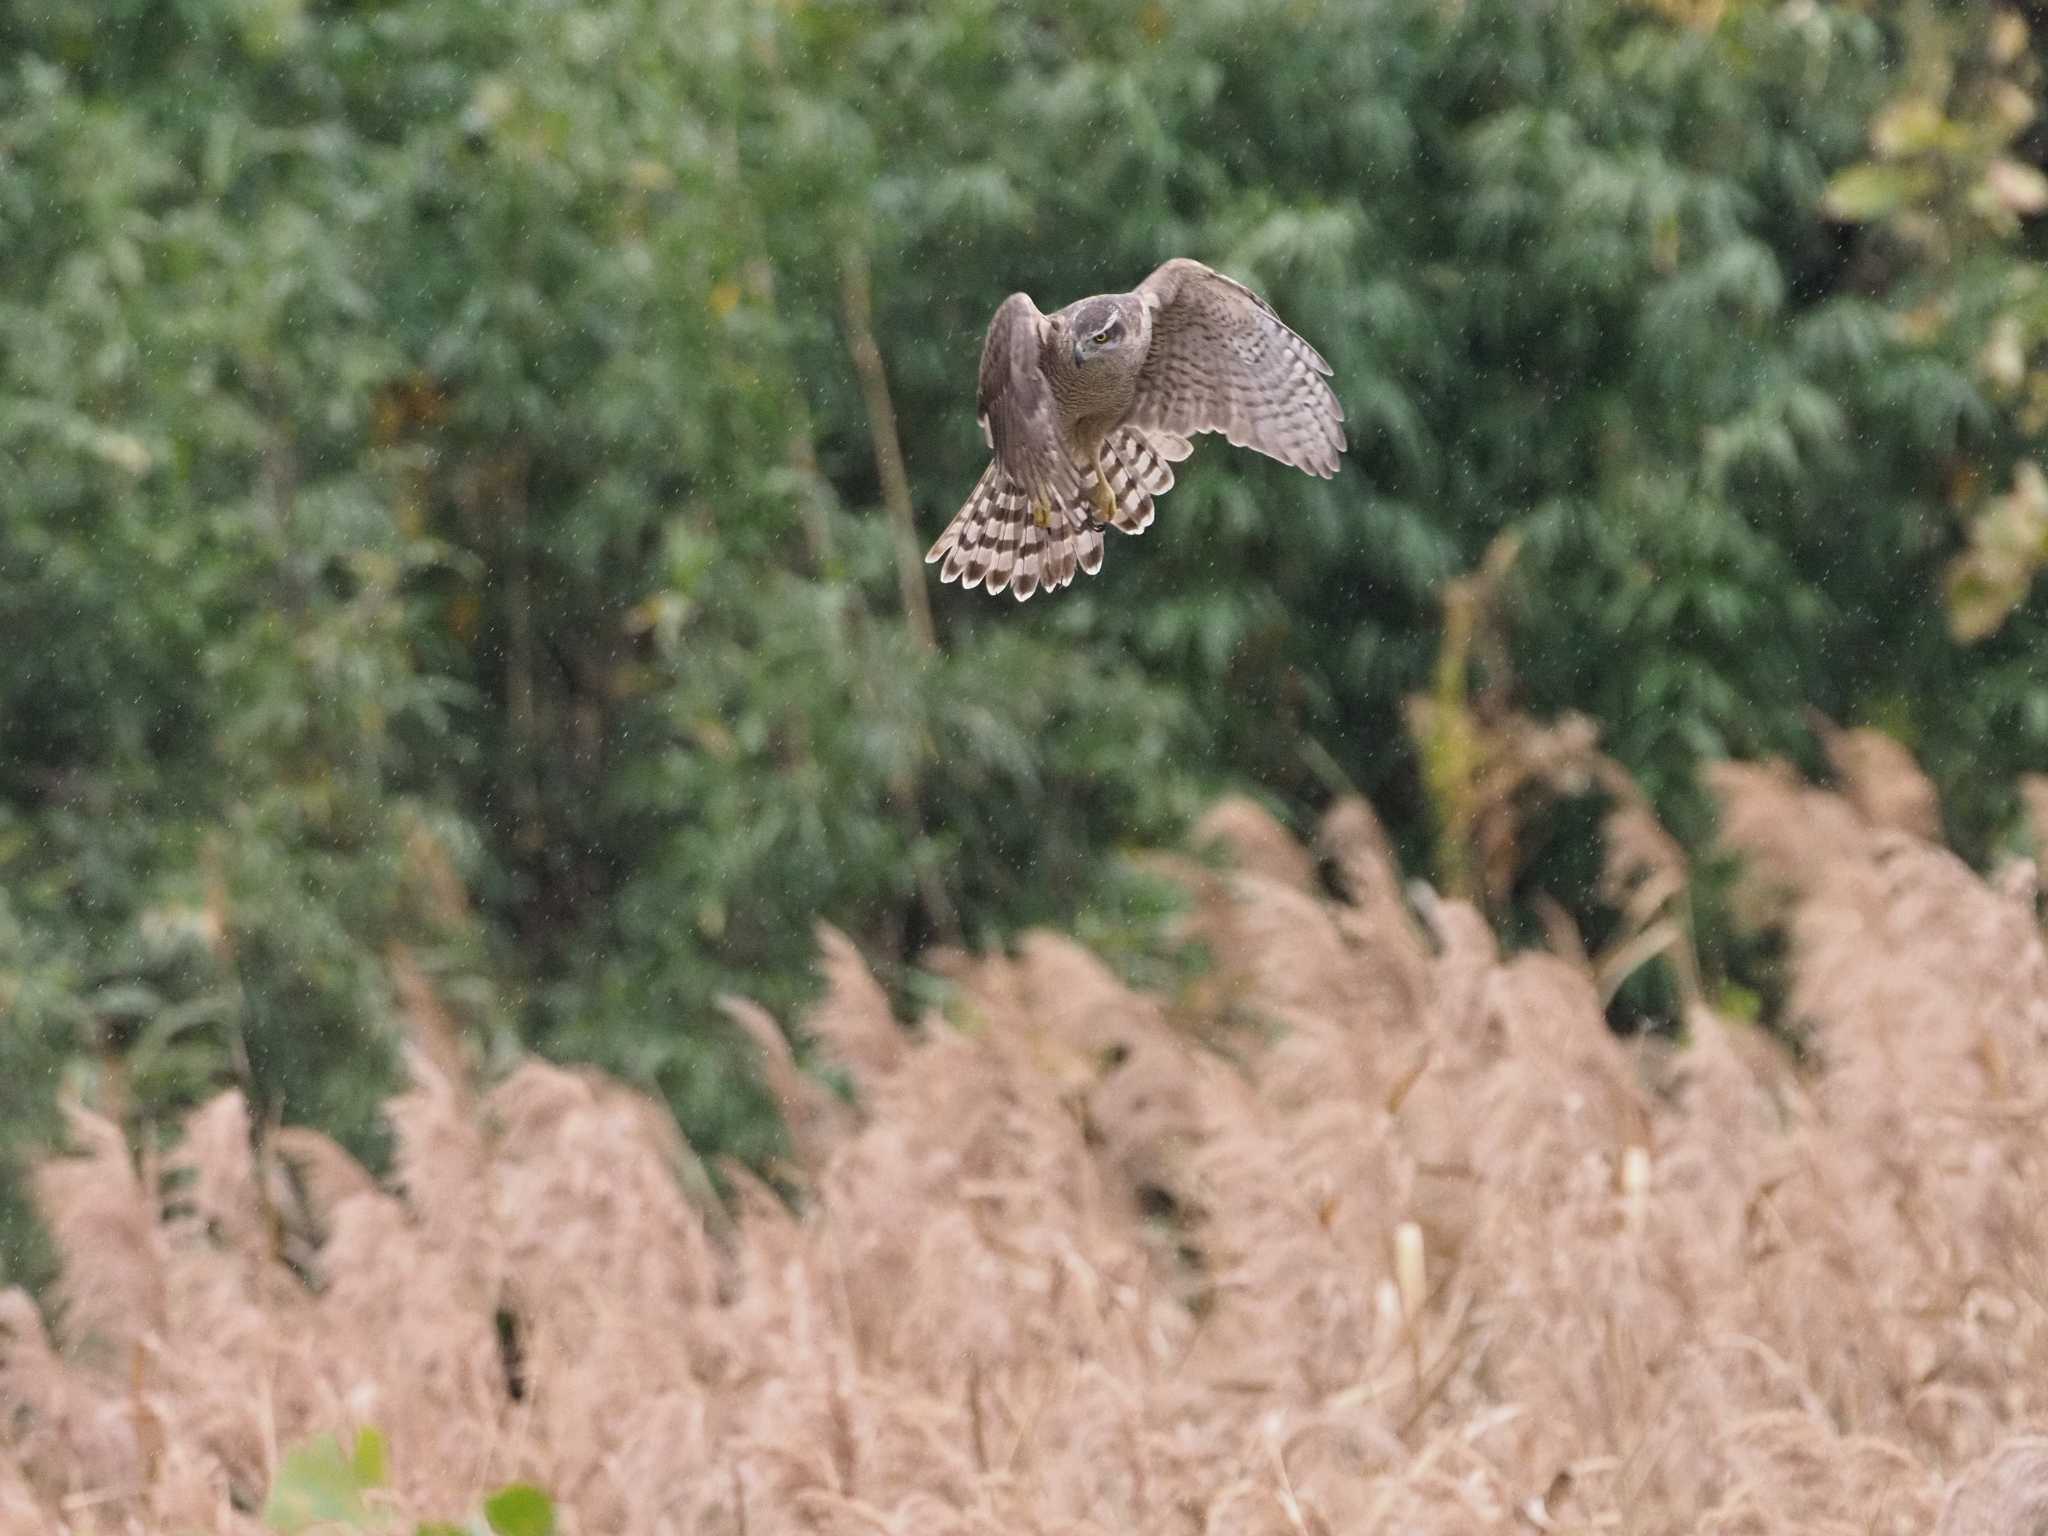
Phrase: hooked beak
(1077,354)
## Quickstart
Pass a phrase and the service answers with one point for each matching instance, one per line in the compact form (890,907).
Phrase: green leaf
(1866,192)
(520,1510)
(370,1458)
(1912,125)
(318,1483)
(438,1528)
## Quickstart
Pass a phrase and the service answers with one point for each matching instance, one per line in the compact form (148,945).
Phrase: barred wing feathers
(1222,361)
(1019,418)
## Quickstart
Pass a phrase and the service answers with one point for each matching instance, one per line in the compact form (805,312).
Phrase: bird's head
(1096,327)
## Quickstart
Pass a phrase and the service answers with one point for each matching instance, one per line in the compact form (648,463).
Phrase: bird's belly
(1087,433)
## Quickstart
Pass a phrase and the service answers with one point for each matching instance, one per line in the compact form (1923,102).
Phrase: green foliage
(440,507)
(1950,190)
(320,1485)
(520,1510)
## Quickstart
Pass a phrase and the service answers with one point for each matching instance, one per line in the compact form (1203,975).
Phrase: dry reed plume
(1375,1230)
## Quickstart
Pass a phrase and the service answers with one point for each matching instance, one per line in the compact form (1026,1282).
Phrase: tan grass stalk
(1388,1233)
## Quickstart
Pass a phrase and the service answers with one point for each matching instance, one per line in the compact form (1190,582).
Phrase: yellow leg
(1040,513)
(1105,504)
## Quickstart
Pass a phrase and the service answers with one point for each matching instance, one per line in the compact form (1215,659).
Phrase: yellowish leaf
(2011,107)
(2003,359)
(1866,192)
(2016,187)
(2008,37)
(1922,323)
(2008,547)
(1908,126)
(124,450)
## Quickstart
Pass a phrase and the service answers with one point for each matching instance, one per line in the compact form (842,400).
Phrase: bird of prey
(1086,410)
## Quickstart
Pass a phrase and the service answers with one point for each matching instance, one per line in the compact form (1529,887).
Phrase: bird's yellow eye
(1099,337)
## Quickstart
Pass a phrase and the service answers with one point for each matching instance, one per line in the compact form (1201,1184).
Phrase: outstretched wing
(1019,417)
(1222,361)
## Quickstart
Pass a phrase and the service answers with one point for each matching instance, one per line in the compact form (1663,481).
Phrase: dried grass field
(1373,1230)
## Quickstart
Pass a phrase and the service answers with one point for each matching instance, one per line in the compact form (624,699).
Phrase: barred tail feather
(994,542)
(972,544)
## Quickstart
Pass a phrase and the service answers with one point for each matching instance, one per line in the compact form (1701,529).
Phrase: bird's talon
(1105,504)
